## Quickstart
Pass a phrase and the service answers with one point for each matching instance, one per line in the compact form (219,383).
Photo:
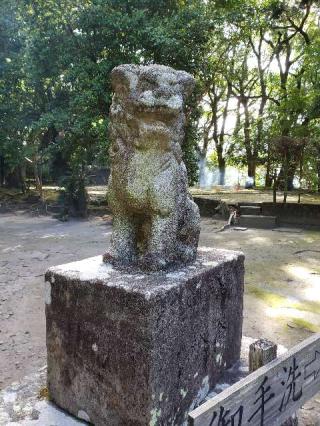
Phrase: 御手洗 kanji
(227,418)
(265,395)
(312,369)
(290,383)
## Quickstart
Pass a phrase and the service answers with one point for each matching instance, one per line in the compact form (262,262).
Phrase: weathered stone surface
(155,222)
(263,222)
(20,404)
(141,349)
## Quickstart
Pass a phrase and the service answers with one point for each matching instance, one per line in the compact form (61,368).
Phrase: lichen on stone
(155,414)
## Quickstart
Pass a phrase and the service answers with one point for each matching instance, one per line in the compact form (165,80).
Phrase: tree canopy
(256,64)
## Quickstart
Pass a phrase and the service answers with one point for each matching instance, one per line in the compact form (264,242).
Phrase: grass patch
(276,301)
(15,195)
(306,325)
(9,194)
(272,299)
(313,307)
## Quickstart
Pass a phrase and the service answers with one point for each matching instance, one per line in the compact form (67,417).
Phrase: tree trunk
(274,189)
(222,174)
(221,165)
(220,140)
(202,170)
(252,168)
(289,168)
(2,172)
(268,181)
(318,172)
(286,170)
(252,164)
(292,168)
(37,177)
(251,158)
(23,175)
(13,179)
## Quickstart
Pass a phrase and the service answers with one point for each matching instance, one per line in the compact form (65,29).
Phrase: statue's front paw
(120,261)
(108,258)
(188,254)
(152,262)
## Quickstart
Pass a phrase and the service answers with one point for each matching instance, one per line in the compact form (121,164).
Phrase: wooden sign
(269,395)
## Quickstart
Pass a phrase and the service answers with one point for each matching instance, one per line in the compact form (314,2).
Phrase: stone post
(261,352)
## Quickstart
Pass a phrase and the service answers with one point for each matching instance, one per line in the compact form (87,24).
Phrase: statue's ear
(124,78)
(187,83)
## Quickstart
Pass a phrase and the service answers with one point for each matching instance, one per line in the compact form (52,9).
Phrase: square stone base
(141,349)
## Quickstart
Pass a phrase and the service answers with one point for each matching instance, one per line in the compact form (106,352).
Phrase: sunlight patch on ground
(309,277)
(299,313)
(277,301)
(54,236)
(9,249)
(309,240)
(286,312)
(295,318)
(261,240)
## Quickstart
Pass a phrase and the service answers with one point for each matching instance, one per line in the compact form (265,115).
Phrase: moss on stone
(43,393)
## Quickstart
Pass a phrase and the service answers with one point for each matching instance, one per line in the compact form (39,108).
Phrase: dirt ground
(282,299)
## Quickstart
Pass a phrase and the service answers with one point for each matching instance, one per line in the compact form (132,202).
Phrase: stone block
(250,210)
(255,221)
(141,349)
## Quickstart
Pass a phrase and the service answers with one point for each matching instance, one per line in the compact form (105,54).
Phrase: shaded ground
(282,300)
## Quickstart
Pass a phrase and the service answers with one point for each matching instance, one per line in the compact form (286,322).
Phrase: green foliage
(190,154)
(255,61)
(212,160)
(55,70)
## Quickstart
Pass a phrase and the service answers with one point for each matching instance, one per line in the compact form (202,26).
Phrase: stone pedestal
(141,349)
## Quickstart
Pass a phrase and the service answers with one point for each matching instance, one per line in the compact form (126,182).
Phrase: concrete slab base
(136,349)
(250,210)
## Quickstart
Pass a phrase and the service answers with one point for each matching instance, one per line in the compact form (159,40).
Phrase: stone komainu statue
(156,224)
